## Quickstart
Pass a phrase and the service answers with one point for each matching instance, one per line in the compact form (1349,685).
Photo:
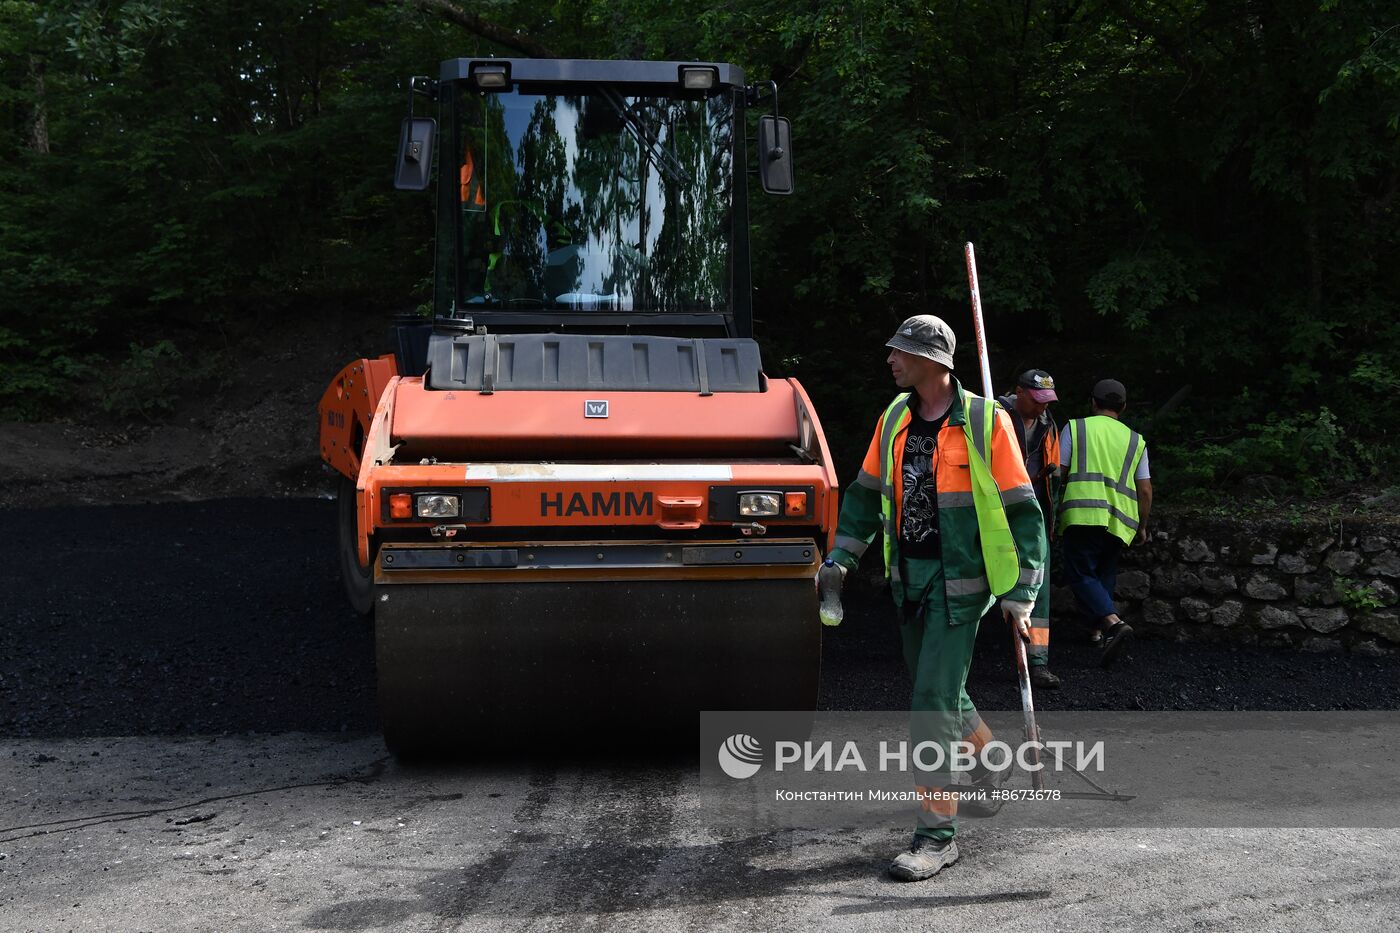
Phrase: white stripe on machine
(598,472)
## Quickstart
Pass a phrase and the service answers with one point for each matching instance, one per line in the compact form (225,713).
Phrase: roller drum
(475,665)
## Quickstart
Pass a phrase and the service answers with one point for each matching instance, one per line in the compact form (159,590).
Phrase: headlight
(758,504)
(438,506)
(490,76)
(698,79)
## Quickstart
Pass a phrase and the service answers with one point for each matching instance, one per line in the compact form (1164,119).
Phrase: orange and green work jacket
(1050,460)
(872,505)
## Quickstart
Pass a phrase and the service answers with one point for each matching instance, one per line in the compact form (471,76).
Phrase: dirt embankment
(243,422)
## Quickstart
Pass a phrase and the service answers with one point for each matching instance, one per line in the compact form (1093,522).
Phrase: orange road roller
(571,498)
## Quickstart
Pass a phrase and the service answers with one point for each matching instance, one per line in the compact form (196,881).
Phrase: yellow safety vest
(1000,558)
(1101,491)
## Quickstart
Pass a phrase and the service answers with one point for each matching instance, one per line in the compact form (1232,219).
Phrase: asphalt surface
(187,742)
(314,832)
(226,616)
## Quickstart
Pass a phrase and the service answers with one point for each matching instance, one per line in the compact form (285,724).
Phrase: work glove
(1019,615)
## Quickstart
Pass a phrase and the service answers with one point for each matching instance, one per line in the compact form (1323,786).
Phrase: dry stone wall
(1316,585)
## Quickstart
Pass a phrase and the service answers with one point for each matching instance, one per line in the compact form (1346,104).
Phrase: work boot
(989,782)
(1115,638)
(1041,677)
(926,857)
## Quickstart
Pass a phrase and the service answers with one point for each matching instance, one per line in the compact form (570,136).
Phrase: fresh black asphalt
(226,616)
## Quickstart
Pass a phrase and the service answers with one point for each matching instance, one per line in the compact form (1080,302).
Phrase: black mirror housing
(775,154)
(415,165)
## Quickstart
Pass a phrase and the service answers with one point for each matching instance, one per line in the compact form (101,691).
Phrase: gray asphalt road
(314,832)
(187,743)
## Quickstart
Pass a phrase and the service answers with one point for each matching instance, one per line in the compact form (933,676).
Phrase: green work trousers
(939,656)
(1038,651)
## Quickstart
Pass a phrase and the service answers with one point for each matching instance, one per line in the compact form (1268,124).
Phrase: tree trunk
(1313,237)
(39,129)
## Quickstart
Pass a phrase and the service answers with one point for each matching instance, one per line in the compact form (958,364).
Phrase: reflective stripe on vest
(998,546)
(999,556)
(895,417)
(1100,490)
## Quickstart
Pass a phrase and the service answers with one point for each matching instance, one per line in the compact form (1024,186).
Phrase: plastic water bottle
(829,579)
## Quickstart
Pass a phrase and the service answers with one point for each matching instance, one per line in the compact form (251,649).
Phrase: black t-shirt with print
(918,514)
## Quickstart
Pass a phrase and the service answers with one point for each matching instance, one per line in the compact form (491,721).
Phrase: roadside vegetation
(1200,199)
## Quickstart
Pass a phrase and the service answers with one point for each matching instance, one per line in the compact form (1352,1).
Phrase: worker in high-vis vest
(1104,503)
(1039,438)
(944,485)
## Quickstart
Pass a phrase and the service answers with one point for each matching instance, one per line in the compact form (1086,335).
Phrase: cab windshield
(597,201)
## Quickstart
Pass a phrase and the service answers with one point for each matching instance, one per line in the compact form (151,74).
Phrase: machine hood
(470,425)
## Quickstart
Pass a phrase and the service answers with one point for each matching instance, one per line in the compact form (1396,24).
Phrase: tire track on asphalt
(484,878)
(629,819)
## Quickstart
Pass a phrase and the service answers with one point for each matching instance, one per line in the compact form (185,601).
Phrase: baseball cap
(927,336)
(1040,385)
(1111,392)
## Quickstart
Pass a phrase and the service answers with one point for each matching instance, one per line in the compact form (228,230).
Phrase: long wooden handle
(1023,668)
(978,328)
(1022,664)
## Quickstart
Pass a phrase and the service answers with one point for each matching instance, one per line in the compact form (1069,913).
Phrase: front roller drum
(463,666)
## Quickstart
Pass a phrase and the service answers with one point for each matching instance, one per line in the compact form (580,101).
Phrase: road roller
(571,497)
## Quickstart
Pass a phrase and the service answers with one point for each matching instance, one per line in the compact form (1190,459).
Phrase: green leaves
(1133,286)
(1154,186)
(103,35)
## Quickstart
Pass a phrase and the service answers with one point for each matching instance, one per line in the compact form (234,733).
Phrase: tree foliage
(1175,192)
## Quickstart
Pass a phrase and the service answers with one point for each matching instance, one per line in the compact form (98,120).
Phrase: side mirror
(415,164)
(775,154)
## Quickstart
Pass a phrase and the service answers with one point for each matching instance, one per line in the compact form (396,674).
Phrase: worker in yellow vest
(944,483)
(1104,504)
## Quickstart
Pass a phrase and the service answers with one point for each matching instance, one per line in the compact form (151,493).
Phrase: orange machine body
(347,410)
(660,465)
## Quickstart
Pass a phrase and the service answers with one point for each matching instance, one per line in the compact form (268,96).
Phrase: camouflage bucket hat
(927,336)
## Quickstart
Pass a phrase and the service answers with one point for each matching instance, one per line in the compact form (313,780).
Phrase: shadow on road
(879,905)
(540,876)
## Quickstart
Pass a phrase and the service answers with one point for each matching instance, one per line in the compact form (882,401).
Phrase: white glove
(1019,615)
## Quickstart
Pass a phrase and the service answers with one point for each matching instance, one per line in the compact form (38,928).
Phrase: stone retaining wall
(1314,585)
